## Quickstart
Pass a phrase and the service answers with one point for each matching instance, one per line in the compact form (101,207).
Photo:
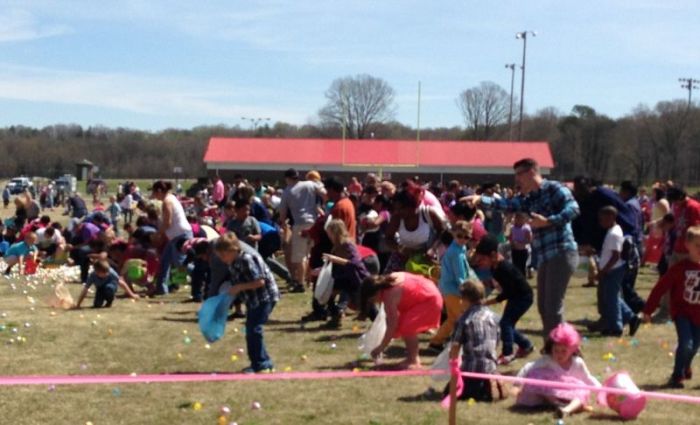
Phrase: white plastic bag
(374,336)
(442,362)
(324,284)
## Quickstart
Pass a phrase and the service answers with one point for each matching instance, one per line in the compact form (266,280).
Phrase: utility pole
(511,66)
(689,84)
(418,117)
(523,36)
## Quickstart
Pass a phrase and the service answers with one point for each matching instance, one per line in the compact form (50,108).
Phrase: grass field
(151,336)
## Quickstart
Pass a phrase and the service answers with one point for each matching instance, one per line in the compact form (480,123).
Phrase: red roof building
(396,157)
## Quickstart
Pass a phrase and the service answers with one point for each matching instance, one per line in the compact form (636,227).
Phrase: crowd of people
(432,256)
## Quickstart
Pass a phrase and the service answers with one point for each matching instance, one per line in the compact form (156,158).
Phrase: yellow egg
(197,406)
(234,357)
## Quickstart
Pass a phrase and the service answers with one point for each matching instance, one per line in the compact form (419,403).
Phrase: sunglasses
(462,236)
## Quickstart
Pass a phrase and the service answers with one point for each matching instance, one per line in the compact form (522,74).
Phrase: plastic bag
(212,316)
(374,336)
(61,298)
(442,363)
(324,284)
(135,269)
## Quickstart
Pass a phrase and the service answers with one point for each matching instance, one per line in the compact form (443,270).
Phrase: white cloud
(145,95)
(21,25)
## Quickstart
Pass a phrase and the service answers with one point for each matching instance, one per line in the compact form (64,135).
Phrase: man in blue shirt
(551,207)
(592,197)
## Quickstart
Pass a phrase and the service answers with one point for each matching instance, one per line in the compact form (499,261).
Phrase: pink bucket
(628,406)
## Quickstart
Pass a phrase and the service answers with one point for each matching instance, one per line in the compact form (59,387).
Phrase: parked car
(18,185)
(65,183)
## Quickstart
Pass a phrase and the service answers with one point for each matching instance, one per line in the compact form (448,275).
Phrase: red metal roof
(428,153)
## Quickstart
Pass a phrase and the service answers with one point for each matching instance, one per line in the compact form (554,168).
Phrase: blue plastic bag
(212,316)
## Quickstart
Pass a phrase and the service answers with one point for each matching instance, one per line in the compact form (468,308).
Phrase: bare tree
(359,103)
(483,107)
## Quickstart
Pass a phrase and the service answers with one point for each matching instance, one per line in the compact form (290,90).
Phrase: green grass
(147,336)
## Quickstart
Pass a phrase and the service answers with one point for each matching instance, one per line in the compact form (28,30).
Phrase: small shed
(83,170)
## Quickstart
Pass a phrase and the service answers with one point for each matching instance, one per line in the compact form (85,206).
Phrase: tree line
(650,143)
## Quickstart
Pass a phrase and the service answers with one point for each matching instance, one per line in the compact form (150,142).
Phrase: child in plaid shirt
(477,334)
(253,282)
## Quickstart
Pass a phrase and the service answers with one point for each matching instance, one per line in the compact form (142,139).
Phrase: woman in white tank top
(177,230)
(411,228)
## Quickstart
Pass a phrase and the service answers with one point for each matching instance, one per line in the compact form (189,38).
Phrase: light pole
(511,66)
(689,84)
(254,122)
(523,36)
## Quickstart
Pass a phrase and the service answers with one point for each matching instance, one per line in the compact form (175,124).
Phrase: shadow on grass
(654,387)
(607,417)
(431,395)
(329,338)
(179,319)
(531,410)
(283,322)
(299,329)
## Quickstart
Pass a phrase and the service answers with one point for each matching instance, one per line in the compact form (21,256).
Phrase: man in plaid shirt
(253,282)
(552,208)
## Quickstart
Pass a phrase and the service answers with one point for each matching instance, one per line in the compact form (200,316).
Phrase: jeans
(629,294)
(519,257)
(199,276)
(171,255)
(278,268)
(515,309)
(688,344)
(255,319)
(81,259)
(553,277)
(615,311)
(104,295)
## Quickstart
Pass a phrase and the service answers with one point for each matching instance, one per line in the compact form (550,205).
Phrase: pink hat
(567,335)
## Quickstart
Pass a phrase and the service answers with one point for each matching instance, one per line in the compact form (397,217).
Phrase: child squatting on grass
(18,252)
(106,282)
(476,333)
(682,280)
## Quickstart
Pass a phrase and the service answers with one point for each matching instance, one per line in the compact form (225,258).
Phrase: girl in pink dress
(412,304)
(561,362)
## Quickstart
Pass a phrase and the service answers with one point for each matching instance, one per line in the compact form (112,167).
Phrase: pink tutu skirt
(532,395)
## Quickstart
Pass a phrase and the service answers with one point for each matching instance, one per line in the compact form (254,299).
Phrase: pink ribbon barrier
(553,384)
(285,376)
(198,377)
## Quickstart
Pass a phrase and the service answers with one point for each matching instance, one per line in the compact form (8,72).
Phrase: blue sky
(158,64)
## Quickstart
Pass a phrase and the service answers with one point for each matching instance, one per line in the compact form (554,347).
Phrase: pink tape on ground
(552,384)
(171,378)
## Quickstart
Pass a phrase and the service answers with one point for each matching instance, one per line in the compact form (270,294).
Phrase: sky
(161,64)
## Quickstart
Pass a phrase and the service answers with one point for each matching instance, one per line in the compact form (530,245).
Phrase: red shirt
(685,214)
(683,280)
